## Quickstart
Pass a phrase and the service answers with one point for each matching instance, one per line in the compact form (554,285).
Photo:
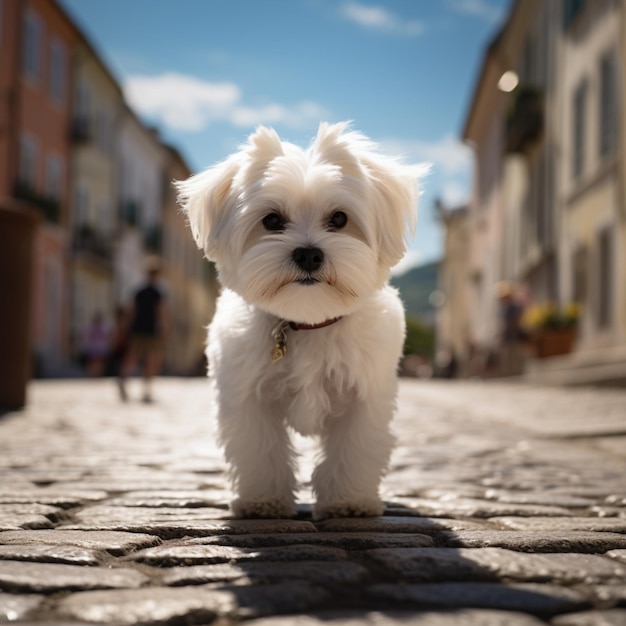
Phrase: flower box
(549,342)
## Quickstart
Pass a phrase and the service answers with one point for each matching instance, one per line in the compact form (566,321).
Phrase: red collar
(298,326)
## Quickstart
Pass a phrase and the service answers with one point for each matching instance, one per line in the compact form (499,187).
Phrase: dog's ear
(334,144)
(396,194)
(264,145)
(205,198)
(394,185)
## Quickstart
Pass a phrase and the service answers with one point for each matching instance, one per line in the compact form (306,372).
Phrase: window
(605,278)
(82,104)
(571,8)
(54,177)
(529,57)
(579,274)
(578,130)
(81,206)
(32,45)
(57,71)
(29,152)
(105,217)
(608,105)
(104,131)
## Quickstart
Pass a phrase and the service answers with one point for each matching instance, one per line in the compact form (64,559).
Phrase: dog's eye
(337,220)
(273,222)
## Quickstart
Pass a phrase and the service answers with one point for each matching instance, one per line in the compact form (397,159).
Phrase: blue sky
(206,72)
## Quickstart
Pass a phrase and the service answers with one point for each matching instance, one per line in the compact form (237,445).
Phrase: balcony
(524,124)
(49,207)
(88,241)
(129,212)
(153,239)
(80,131)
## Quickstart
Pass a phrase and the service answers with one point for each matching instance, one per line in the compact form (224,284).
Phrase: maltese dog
(307,333)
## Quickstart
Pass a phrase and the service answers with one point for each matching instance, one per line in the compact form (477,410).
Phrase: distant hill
(415,287)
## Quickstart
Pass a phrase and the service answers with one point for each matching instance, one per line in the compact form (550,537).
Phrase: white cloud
(181,102)
(295,117)
(188,103)
(380,19)
(450,160)
(454,193)
(478,8)
(447,155)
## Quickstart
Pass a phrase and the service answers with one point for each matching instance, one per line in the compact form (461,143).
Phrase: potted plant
(552,329)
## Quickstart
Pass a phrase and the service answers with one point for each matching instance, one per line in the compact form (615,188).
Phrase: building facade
(96,113)
(141,160)
(592,255)
(37,41)
(547,213)
(453,300)
(191,279)
(73,152)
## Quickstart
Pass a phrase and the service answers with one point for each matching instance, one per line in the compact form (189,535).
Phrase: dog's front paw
(371,507)
(272,509)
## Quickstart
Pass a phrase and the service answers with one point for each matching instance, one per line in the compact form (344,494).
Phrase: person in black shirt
(147,328)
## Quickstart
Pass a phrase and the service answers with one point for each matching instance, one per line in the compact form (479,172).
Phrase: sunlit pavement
(506,506)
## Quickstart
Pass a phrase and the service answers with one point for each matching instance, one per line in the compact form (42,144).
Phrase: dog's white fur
(337,382)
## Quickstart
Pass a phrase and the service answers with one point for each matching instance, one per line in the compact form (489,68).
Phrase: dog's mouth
(307,280)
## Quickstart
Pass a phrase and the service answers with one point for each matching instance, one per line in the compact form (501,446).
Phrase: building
(592,253)
(36,45)
(141,160)
(547,212)
(76,154)
(453,334)
(192,280)
(96,114)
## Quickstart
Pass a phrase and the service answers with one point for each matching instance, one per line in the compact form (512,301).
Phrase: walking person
(95,345)
(119,344)
(148,327)
(512,335)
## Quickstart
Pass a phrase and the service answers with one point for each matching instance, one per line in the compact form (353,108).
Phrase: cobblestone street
(506,505)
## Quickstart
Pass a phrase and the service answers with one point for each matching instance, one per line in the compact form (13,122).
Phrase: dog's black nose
(308,259)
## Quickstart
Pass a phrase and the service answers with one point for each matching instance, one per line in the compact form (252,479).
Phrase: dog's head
(303,234)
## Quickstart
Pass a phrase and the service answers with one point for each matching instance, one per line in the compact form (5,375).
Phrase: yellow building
(591,191)
(97,103)
(191,281)
(548,214)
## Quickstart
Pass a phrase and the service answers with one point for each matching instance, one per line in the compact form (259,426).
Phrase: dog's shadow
(409,563)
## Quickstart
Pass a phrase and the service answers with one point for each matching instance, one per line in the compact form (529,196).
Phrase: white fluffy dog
(307,334)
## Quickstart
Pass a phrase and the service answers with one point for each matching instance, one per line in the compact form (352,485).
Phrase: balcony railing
(524,125)
(48,206)
(153,239)
(88,240)
(80,131)
(129,212)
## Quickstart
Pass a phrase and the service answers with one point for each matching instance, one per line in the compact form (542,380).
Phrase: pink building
(36,42)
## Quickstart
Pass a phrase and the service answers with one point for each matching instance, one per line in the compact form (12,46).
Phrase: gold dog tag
(278,352)
(279,335)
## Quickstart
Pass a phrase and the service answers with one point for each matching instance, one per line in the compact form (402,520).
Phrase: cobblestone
(15,606)
(537,540)
(47,577)
(506,506)
(545,600)
(448,618)
(116,543)
(446,564)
